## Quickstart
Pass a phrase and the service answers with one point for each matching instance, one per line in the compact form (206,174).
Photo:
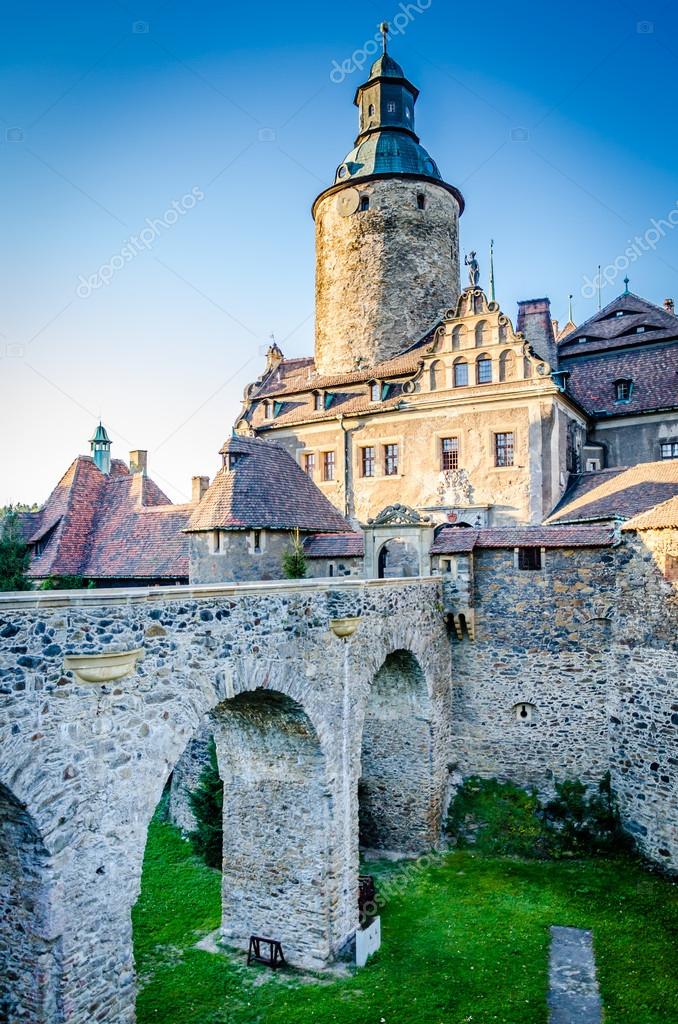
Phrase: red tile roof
(106,527)
(617,493)
(265,489)
(453,539)
(335,545)
(661,517)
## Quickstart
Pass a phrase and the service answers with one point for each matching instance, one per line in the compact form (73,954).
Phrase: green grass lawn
(465,941)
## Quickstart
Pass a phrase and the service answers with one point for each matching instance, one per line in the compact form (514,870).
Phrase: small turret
(100,446)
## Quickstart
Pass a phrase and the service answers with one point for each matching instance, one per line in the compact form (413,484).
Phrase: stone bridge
(301,709)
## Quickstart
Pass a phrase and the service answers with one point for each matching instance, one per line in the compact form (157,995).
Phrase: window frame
(329,466)
(368,461)
(672,445)
(621,385)
(486,362)
(309,464)
(449,454)
(392,459)
(376,388)
(508,459)
(530,558)
(457,366)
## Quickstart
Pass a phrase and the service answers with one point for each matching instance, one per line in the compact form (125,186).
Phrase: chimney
(669,306)
(534,320)
(199,486)
(138,462)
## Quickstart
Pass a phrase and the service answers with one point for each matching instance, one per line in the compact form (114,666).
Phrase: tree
(207,802)
(294,563)
(14,555)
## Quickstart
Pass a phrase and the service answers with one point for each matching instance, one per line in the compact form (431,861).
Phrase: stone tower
(387,234)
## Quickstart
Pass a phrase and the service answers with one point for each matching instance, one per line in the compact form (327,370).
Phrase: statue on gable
(473,269)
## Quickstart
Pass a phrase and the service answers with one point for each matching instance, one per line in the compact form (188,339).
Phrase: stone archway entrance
(397,544)
(397,801)
(30,964)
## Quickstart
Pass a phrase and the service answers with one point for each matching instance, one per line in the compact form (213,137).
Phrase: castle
(424,405)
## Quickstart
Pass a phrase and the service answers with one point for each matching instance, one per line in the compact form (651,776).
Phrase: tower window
(368,461)
(256,541)
(450,452)
(309,463)
(622,390)
(421,201)
(503,449)
(370,110)
(364,203)
(390,459)
(391,107)
(329,462)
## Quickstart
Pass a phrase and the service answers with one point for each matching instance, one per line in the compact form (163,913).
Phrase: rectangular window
(460,375)
(256,541)
(450,452)
(328,465)
(484,367)
(391,459)
(309,463)
(529,558)
(375,392)
(503,449)
(368,461)
(318,403)
(669,450)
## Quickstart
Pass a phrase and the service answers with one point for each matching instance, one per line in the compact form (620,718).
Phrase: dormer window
(375,392)
(622,390)
(640,330)
(318,401)
(231,459)
(267,410)
(620,312)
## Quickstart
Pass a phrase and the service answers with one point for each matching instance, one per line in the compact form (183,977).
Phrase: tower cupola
(387,233)
(100,446)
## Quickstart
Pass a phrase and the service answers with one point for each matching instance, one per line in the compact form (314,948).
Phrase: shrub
(294,563)
(496,818)
(502,818)
(14,555)
(65,583)
(207,802)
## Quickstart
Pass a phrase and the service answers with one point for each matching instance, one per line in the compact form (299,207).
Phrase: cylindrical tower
(387,234)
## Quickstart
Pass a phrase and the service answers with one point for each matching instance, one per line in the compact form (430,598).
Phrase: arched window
(370,110)
(507,365)
(436,375)
(364,203)
(421,201)
(503,332)
(460,373)
(318,401)
(483,369)
(482,334)
(527,368)
(267,410)
(458,337)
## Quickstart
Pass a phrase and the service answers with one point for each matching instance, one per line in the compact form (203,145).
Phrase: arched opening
(482,334)
(458,337)
(484,369)
(460,373)
(277,847)
(397,558)
(436,375)
(507,365)
(30,954)
(398,809)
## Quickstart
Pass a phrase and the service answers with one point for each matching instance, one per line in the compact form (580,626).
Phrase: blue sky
(556,121)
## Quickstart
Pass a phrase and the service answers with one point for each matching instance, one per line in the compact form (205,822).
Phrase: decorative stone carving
(399,515)
(99,669)
(455,488)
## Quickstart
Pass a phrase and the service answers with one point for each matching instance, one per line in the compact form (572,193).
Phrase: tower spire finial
(569,309)
(627,281)
(383,28)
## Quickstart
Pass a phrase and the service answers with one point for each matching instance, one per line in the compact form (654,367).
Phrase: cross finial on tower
(383,28)
(627,281)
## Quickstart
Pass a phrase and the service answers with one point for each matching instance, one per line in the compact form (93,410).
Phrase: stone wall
(236,559)
(406,261)
(88,762)
(186,777)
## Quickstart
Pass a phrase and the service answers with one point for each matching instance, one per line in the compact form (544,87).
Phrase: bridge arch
(30,946)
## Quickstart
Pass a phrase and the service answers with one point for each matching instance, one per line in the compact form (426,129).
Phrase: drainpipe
(346,464)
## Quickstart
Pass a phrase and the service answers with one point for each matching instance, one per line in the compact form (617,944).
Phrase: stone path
(573,989)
